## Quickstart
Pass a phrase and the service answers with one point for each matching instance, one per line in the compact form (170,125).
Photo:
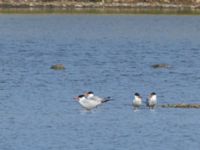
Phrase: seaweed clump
(157,66)
(58,67)
(182,105)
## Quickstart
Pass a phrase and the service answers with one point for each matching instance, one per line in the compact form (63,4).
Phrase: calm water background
(111,55)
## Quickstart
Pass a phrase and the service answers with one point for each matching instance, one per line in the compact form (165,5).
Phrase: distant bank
(107,6)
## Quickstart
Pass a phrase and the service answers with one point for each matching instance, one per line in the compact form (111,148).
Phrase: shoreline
(163,4)
(133,11)
(100,8)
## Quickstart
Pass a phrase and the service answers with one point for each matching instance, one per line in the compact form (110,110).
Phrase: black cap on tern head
(80,96)
(137,94)
(153,93)
(90,92)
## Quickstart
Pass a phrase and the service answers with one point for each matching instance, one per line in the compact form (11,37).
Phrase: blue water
(110,55)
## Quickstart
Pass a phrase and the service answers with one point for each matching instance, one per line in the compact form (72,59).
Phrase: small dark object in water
(160,66)
(58,67)
(182,105)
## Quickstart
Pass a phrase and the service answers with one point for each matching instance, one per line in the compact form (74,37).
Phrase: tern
(137,101)
(90,95)
(152,100)
(87,103)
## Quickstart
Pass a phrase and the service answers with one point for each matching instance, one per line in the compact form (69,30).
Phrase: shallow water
(111,55)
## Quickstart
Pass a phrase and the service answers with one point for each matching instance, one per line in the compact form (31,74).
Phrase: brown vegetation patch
(182,105)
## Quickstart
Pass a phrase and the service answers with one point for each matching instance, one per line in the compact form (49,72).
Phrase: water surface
(111,55)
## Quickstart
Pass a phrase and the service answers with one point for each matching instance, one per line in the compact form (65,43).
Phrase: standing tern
(152,100)
(137,101)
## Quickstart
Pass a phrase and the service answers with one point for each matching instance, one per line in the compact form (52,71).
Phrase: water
(111,55)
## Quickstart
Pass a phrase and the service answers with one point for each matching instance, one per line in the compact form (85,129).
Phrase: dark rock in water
(160,66)
(182,105)
(58,67)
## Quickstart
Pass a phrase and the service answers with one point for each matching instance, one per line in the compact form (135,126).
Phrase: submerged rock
(160,66)
(182,105)
(58,67)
